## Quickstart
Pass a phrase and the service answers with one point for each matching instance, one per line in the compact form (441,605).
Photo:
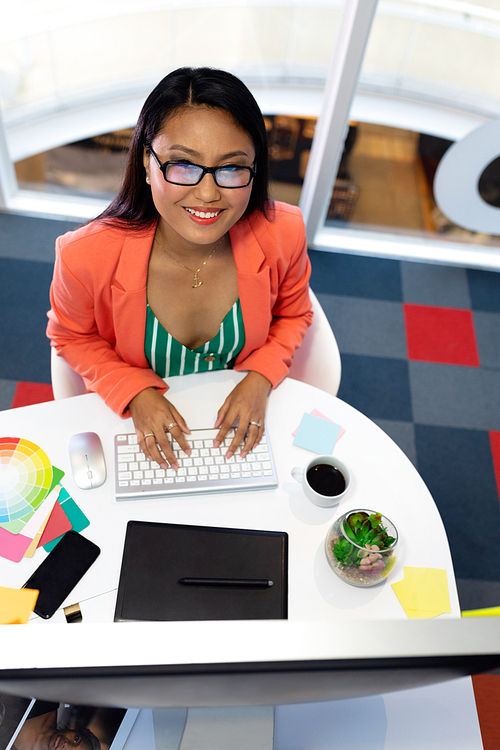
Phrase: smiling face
(199,214)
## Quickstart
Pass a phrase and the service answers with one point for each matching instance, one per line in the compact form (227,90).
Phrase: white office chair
(65,381)
(317,362)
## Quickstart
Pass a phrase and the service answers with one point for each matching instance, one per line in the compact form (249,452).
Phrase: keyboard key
(127,450)
(126,457)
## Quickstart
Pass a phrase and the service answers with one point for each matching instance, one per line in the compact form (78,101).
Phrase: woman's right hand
(153,417)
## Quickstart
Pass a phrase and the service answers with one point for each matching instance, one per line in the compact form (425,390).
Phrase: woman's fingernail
(244,454)
(216,443)
(164,465)
(229,454)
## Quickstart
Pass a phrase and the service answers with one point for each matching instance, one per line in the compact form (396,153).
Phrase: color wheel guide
(35,509)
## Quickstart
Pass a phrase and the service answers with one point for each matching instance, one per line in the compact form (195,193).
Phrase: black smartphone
(61,570)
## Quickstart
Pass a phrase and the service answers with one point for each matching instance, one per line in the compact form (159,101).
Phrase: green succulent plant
(366,531)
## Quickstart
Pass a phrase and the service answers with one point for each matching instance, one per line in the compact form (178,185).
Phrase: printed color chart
(26,476)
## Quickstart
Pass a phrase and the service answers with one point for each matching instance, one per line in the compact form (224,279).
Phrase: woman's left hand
(246,403)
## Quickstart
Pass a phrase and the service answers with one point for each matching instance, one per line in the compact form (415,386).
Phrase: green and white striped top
(168,357)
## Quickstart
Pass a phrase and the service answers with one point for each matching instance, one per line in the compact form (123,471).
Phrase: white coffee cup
(328,486)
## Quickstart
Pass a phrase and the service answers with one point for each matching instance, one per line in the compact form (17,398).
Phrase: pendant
(196,283)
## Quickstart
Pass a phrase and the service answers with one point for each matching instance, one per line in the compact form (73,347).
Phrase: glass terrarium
(361,547)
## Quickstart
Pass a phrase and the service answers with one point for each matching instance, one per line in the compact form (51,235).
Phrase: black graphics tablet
(183,572)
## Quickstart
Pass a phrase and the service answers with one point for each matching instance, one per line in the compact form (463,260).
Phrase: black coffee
(325,479)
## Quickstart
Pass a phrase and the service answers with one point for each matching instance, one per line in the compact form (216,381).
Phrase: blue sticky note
(316,434)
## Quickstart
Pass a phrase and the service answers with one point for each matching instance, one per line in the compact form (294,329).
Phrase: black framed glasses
(185,173)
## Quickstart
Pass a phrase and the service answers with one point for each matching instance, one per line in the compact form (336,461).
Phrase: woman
(190,268)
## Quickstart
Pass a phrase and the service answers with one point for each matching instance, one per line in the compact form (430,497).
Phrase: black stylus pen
(254,583)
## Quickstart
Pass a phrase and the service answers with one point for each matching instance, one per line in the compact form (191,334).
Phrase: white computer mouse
(87,460)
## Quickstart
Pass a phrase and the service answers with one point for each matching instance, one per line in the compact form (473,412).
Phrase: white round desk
(383,479)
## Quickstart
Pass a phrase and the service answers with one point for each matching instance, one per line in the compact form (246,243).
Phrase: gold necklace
(196,281)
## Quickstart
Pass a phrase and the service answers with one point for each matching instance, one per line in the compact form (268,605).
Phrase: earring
(148,180)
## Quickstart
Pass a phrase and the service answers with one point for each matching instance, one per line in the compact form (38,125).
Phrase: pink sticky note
(57,525)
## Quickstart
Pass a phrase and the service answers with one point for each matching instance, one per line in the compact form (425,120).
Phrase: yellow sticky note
(16,605)
(423,593)
(430,587)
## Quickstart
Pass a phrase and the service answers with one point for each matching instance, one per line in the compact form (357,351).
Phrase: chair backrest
(65,381)
(317,361)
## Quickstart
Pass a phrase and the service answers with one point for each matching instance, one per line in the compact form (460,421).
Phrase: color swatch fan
(26,476)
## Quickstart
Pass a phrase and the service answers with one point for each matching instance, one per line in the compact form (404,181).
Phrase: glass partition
(425,84)
(67,76)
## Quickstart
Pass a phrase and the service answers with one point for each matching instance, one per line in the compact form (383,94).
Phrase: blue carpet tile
(420,347)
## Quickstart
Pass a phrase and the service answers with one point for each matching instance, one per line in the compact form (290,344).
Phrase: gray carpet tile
(452,396)
(474,594)
(370,327)
(403,434)
(487,327)
(7,390)
(30,238)
(441,286)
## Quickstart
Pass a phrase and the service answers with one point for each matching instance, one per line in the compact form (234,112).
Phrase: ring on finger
(170,426)
(257,424)
(150,434)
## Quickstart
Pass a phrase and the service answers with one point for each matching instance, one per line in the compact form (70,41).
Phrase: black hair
(189,87)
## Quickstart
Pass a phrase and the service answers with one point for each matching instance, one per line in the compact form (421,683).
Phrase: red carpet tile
(495,452)
(31,393)
(487,694)
(441,334)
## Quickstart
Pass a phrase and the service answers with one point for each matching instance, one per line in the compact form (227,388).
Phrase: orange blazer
(97,319)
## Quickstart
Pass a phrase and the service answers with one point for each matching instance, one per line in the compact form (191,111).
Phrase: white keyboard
(205,470)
